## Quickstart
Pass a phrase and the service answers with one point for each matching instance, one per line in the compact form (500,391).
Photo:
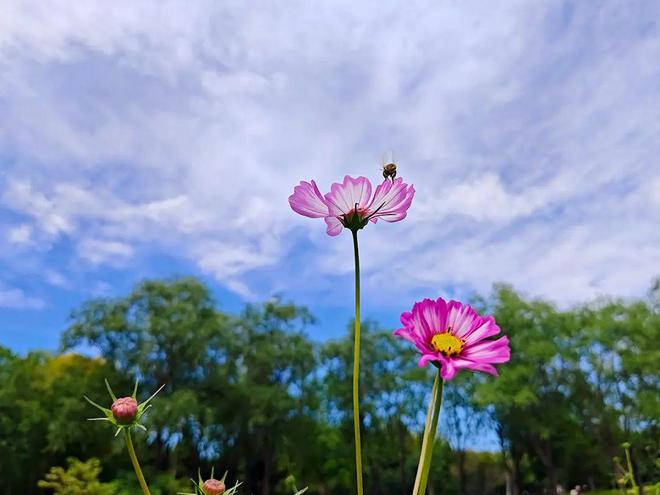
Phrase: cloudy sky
(155,139)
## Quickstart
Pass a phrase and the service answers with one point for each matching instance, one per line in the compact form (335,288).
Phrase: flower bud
(214,487)
(124,410)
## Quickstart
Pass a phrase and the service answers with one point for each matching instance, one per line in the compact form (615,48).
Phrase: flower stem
(631,471)
(356,369)
(425,439)
(428,442)
(136,464)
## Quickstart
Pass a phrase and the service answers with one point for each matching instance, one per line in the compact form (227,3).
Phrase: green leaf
(153,395)
(107,411)
(112,394)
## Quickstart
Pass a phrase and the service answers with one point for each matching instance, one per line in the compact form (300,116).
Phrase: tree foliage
(79,478)
(254,394)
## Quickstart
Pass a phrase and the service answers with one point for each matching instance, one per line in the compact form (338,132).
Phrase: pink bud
(214,487)
(124,410)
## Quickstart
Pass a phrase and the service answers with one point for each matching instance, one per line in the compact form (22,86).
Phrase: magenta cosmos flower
(454,336)
(350,203)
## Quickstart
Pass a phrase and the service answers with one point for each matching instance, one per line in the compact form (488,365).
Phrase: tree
(167,333)
(278,387)
(40,400)
(79,478)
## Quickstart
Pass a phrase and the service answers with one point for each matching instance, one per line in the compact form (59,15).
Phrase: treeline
(254,394)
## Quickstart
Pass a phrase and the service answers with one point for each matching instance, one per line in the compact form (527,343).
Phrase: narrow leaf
(112,394)
(154,395)
(104,409)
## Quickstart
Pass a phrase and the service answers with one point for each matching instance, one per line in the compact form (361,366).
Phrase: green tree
(40,402)
(278,389)
(167,333)
(79,478)
(580,381)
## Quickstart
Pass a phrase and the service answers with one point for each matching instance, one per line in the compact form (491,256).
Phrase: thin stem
(136,464)
(429,437)
(425,439)
(356,369)
(631,472)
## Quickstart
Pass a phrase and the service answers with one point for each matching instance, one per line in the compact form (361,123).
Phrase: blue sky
(151,139)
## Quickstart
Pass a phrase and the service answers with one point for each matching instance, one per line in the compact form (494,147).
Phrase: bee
(389,167)
(389,171)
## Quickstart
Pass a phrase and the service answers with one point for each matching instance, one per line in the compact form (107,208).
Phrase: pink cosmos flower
(454,336)
(124,410)
(350,203)
(214,487)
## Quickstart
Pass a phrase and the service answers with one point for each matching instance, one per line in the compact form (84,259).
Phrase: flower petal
(307,200)
(343,197)
(404,333)
(485,327)
(428,357)
(461,318)
(425,320)
(428,316)
(488,351)
(448,370)
(472,365)
(391,200)
(334,226)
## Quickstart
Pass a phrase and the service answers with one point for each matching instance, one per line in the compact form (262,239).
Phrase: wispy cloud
(17,299)
(529,130)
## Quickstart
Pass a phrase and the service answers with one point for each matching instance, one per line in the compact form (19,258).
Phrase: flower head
(213,487)
(350,203)
(124,412)
(454,336)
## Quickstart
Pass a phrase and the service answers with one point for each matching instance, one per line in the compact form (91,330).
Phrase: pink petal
(404,333)
(460,318)
(472,365)
(485,327)
(427,318)
(343,197)
(334,226)
(391,201)
(428,357)
(442,313)
(406,318)
(489,351)
(307,200)
(448,370)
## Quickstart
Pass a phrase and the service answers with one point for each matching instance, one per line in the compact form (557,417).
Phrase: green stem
(429,437)
(356,369)
(425,439)
(136,464)
(631,472)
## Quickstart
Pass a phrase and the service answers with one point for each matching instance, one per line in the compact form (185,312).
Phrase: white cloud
(55,278)
(15,298)
(21,234)
(21,196)
(529,130)
(98,251)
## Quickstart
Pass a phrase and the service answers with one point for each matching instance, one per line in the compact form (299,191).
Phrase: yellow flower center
(446,343)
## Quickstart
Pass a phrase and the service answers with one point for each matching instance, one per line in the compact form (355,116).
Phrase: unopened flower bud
(214,487)
(124,410)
